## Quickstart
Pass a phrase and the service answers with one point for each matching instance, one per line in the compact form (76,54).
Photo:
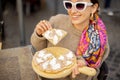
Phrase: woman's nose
(73,9)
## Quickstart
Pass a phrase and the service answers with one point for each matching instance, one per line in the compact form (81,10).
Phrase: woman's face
(80,16)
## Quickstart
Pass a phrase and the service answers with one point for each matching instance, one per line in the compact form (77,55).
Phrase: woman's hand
(81,63)
(42,26)
(75,72)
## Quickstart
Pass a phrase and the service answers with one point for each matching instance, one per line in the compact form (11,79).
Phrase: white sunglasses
(77,5)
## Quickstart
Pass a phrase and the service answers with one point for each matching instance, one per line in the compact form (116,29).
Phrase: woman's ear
(94,8)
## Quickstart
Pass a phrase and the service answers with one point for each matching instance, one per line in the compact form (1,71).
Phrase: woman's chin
(75,22)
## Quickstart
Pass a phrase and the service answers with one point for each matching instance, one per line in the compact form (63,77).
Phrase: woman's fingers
(47,24)
(75,72)
(42,26)
(39,30)
(81,63)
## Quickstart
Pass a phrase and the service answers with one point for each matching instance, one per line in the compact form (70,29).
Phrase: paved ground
(12,32)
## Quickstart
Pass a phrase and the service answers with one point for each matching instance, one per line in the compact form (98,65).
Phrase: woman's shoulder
(59,18)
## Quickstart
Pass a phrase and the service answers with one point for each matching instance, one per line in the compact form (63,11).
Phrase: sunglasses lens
(80,6)
(68,5)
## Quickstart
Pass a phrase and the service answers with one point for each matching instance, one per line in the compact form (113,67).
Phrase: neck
(81,26)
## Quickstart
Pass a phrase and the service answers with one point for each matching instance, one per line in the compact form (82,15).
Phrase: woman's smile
(75,17)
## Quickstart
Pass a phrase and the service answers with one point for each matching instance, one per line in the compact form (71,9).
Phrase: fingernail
(44,21)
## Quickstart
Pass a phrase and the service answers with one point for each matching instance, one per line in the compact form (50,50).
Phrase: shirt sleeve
(38,42)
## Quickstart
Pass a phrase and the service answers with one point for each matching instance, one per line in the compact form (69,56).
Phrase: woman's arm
(38,42)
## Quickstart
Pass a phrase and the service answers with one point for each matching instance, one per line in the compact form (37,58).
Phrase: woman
(86,35)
